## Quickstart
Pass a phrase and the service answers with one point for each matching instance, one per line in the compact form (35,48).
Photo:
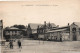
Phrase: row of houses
(49,31)
(46,31)
(69,32)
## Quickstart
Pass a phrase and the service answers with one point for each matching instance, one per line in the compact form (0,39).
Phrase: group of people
(11,44)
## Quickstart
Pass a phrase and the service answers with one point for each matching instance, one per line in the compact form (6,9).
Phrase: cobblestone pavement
(35,46)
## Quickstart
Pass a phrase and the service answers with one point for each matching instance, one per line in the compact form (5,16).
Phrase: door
(74,34)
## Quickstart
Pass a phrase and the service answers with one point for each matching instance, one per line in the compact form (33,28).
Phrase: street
(36,46)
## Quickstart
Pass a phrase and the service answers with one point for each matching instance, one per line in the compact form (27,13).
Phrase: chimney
(44,22)
(68,24)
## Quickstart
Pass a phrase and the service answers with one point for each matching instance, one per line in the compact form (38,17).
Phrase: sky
(59,12)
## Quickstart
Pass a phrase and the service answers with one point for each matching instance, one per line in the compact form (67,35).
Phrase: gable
(75,24)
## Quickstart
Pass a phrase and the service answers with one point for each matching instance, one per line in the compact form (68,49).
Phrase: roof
(13,28)
(34,26)
(77,23)
(24,29)
(48,25)
(64,27)
(53,25)
(34,31)
(57,30)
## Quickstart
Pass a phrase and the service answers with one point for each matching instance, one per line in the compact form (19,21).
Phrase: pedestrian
(60,39)
(19,44)
(11,44)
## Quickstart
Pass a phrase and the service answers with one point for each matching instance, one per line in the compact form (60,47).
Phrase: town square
(40,26)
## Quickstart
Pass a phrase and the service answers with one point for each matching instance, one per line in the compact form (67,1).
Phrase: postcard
(40,26)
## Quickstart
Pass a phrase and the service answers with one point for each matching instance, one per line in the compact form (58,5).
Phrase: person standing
(19,44)
(11,44)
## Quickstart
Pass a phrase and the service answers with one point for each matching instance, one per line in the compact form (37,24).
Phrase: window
(74,29)
(7,33)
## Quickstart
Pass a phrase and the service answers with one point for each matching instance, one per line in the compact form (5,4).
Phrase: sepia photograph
(40,26)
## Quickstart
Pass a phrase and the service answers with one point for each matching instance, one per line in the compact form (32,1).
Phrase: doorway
(74,34)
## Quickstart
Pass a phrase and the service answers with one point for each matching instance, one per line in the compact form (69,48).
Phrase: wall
(40,36)
(77,32)
(65,36)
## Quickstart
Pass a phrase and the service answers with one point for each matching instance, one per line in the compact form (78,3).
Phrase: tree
(19,26)
(6,28)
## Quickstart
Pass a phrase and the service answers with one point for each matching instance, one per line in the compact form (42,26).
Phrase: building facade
(58,34)
(13,33)
(42,30)
(75,31)
(66,33)
(29,31)
(32,30)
